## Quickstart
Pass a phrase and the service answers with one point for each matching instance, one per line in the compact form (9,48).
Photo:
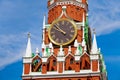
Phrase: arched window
(69,68)
(87,65)
(36,64)
(85,62)
(71,61)
(54,62)
(52,69)
(48,66)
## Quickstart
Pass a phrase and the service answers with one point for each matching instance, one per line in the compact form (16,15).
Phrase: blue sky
(18,17)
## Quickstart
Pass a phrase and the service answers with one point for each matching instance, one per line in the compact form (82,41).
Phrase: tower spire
(44,22)
(28,49)
(83,39)
(94,49)
(43,36)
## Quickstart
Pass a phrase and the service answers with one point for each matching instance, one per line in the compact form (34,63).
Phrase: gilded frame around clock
(70,41)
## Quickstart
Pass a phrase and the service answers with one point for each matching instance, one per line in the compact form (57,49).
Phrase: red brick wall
(26,68)
(71,10)
(94,65)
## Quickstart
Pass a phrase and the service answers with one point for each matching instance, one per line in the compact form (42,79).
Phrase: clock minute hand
(60,29)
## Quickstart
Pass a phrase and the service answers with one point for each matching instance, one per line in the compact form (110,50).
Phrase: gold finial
(45,15)
(29,35)
(94,32)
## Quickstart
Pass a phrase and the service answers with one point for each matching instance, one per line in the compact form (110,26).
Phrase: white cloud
(16,19)
(13,47)
(104,16)
(112,59)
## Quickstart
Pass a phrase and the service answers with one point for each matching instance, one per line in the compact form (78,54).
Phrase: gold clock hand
(60,29)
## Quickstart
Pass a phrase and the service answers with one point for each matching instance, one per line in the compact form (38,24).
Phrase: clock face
(62,32)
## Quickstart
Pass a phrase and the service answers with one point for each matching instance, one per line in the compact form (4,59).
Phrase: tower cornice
(67,2)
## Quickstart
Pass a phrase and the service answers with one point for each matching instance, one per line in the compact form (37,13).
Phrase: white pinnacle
(28,49)
(77,51)
(76,43)
(50,45)
(43,44)
(83,39)
(83,24)
(94,49)
(52,50)
(44,53)
(61,53)
(69,50)
(44,22)
(37,51)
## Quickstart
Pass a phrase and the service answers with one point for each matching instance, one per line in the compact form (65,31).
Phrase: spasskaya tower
(68,50)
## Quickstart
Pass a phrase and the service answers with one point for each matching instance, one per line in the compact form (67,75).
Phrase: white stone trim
(51,2)
(65,72)
(85,53)
(98,66)
(60,58)
(36,56)
(52,55)
(27,60)
(44,59)
(79,25)
(69,72)
(79,1)
(86,71)
(80,4)
(69,54)
(47,26)
(23,70)
(34,75)
(63,13)
(94,57)
(77,58)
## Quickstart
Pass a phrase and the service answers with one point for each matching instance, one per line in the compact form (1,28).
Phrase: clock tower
(68,51)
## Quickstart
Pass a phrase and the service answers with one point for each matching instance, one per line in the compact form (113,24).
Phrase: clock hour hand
(59,29)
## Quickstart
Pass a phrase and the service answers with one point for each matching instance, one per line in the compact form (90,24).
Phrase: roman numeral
(56,39)
(52,32)
(67,23)
(70,27)
(63,22)
(72,31)
(67,39)
(71,35)
(53,36)
(61,41)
